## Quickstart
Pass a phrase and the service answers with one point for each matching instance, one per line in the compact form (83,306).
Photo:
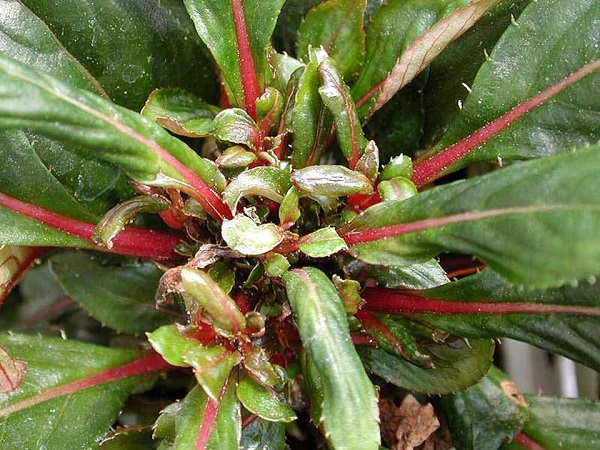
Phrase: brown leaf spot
(407,426)
(512,392)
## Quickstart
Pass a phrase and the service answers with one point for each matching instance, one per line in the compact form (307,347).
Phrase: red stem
(150,363)
(131,241)
(368,320)
(528,443)
(428,170)
(247,69)
(388,301)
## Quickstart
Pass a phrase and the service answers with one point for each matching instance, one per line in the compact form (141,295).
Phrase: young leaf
(311,122)
(119,296)
(456,366)
(539,223)
(143,150)
(172,344)
(263,401)
(562,422)
(181,112)
(392,30)
(337,26)
(235,126)
(345,387)
(336,96)
(330,181)
(212,366)
(549,42)
(200,424)
(105,37)
(486,415)
(245,236)
(14,262)
(238,32)
(268,182)
(62,402)
(321,243)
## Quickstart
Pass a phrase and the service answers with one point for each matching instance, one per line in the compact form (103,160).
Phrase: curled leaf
(268,182)
(331,181)
(237,127)
(245,236)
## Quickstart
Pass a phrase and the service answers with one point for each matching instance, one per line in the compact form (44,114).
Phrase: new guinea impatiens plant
(313,233)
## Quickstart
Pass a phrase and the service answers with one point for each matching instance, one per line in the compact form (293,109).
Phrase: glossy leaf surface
(345,387)
(82,417)
(552,222)
(548,42)
(263,401)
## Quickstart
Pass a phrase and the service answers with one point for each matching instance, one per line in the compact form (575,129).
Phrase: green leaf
(573,336)
(532,222)
(119,296)
(170,342)
(344,385)
(458,64)
(457,365)
(181,112)
(393,28)
(235,157)
(321,243)
(245,236)
(229,44)
(330,181)
(336,96)
(263,401)
(261,434)
(212,366)
(26,38)
(485,415)
(31,418)
(142,149)
(337,26)
(548,42)
(129,438)
(235,126)
(563,423)
(222,432)
(311,122)
(105,37)
(269,182)
(222,311)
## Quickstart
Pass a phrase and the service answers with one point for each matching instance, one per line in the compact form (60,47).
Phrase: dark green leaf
(261,434)
(80,418)
(215,24)
(337,26)
(395,26)
(563,423)
(532,222)
(573,336)
(118,136)
(181,112)
(106,36)
(548,42)
(458,365)
(344,386)
(485,415)
(263,401)
(290,19)
(457,66)
(119,296)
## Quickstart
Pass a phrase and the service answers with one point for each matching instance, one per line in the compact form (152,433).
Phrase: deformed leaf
(245,236)
(330,181)
(235,126)
(181,112)
(269,182)
(344,387)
